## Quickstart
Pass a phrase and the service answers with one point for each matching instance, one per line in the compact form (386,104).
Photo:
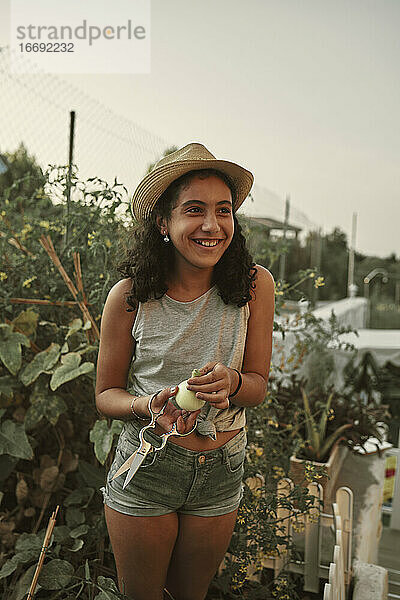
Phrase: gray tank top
(173,338)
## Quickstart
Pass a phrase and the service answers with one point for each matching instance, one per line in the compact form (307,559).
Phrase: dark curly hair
(148,259)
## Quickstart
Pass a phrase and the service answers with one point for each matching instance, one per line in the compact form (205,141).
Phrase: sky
(305,94)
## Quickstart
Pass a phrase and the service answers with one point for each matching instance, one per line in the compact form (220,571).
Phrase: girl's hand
(214,386)
(184,419)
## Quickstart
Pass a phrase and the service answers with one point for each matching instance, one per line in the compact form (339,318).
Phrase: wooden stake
(78,275)
(46,542)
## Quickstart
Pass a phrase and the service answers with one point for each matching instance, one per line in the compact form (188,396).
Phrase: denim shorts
(206,484)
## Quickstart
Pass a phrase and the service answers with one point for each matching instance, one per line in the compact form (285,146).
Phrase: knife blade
(137,460)
(125,466)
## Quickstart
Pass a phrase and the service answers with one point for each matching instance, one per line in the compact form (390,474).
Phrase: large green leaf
(23,584)
(10,347)
(7,384)
(44,404)
(69,369)
(27,548)
(13,440)
(26,321)
(74,326)
(102,436)
(74,517)
(94,477)
(61,534)
(12,564)
(40,364)
(85,348)
(80,530)
(330,441)
(87,570)
(324,417)
(56,574)
(80,497)
(7,464)
(108,589)
(29,542)
(9,566)
(77,544)
(311,426)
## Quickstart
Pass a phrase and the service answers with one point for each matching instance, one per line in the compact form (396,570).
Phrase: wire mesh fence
(35,107)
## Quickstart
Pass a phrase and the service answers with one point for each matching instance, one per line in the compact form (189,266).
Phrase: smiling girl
(190,297)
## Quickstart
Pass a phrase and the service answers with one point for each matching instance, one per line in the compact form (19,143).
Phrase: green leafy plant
(316,413)
(319,444)
(52,444)
(259,531)
(314,422)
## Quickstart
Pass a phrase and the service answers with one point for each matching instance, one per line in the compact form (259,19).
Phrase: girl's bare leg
(200,547)
(142,549)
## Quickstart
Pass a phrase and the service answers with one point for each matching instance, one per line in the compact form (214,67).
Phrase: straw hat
(191,157)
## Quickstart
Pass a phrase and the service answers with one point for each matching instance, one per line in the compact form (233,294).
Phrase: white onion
(186,399)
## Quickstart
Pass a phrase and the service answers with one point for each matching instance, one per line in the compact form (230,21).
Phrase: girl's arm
(115,354)
(114,360)
(257,355)
(258,349)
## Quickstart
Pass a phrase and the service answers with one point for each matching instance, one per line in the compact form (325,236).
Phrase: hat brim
(157,181)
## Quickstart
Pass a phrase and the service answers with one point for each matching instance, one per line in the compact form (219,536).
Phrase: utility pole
(282,261)
(351,288)
(69,174)
(318,257)
(315,262)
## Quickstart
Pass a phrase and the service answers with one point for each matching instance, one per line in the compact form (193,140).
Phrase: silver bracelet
(135,413)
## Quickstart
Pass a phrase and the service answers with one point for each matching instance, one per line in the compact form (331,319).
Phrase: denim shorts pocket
(235,459)
(128,447)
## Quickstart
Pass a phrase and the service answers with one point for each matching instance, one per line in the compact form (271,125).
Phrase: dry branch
(43,302)
(14,241)
(49,248)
